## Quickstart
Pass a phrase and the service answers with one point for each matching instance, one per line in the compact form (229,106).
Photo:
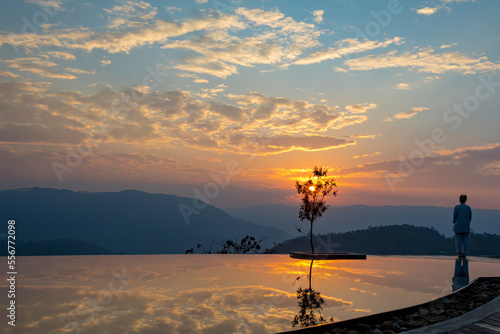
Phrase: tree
(313,191)
(310,304)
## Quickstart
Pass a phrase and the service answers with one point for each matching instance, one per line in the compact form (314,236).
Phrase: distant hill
(355,217)
(393,240)
(55,247)
(126,221)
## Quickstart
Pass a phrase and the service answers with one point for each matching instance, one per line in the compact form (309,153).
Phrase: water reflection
(310,304)
(203,294)
(461,275)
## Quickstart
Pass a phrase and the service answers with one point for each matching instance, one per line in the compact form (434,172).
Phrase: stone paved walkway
(489,325)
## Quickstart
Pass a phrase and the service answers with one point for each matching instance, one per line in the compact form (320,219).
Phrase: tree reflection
(310,304)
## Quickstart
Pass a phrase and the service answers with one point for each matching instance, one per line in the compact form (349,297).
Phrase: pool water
(219,293)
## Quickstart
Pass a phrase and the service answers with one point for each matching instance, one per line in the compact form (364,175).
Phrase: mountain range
(128,221)
(136,222)
(359,217)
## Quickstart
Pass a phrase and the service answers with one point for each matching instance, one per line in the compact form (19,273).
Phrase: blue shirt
(462,215)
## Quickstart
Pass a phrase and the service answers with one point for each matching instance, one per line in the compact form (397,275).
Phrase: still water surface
(218,293)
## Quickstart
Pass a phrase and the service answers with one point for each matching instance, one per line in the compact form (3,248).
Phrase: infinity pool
(218,293)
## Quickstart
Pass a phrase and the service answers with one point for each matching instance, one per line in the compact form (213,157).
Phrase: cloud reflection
(212,294)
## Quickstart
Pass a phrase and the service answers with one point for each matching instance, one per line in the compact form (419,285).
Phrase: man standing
(462,215)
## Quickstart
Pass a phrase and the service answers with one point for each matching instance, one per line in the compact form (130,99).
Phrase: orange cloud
(424,60)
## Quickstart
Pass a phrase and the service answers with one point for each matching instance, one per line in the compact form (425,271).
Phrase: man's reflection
(310,305)
(461,277)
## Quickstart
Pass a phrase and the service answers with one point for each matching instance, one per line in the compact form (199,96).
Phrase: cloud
(475,166)
(485,147)
(226,326)
(276,39)
(489,168)
(361,108)
(33,165)
(364,136)
(173,118)
(24,103)
(428,10)
(215,68)
(195,77)
(141,31)
(318,15)
(424,60)
(60,55)
(364,291)
(8,74)
(345,47)
(287,143)
(39,134)
(366,155)
(294,117)
(403,86)
(285,26)
(105,62)
(43,68)
(79,71)
(47,26)
(432,10)
(233,113)
(53,4)
(431,78)
(481,160)
(172,9)
(130,14)
(445,46)
(211,159)
(406,114)
(215,47)
(210,93)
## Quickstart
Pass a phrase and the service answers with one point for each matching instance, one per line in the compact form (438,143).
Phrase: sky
(231,101)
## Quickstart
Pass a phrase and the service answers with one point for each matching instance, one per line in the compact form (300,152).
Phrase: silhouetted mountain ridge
(56,247)
(356,217)
(128,221)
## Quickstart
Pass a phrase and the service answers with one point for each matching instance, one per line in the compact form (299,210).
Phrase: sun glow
(311,188)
